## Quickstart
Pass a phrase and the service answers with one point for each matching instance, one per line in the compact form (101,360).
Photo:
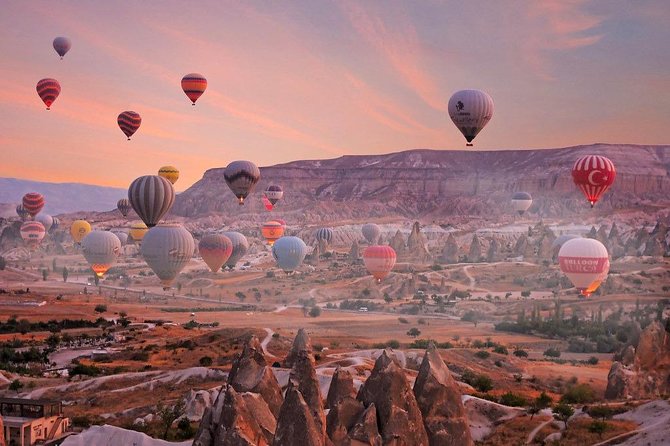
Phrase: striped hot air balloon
(194,85)
(62,45)
(470,110)
(55,224)
(215,249)
(129,122)
(170,173)
(48,89)
(123,205)
(371,232)
(152,197)
(33,202)
(101,249)
(593,174)
(241,177)
(274,193)
(272,231)
(240,247)
(379,260)
(521,201)
(167,249)
(21,212)
(324,234)
(32,232)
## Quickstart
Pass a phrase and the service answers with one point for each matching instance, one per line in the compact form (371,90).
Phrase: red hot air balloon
(267,204)
(129,122)
(593,174)
(194,85)
(48,90)
(379,260)
(215,250)
(33,203)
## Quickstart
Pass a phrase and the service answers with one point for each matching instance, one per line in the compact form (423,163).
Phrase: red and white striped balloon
(593,174)
(379,260)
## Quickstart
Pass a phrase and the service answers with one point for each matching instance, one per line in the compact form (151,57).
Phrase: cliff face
(439,183)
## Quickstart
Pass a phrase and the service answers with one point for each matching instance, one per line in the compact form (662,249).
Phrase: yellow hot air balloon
(137,231)
(79,230)
(170,173)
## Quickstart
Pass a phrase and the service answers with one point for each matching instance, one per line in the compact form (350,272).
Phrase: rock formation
(300,343)
(354,252)
(341,387)
(492,254)
(475,253)
(398,243)
(417,244)
(295,425)
(450,251)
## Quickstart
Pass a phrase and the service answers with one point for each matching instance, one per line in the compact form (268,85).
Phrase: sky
(313,79)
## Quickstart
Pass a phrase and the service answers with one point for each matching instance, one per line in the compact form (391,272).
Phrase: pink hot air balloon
(215,250)
(379,260)
(32,232)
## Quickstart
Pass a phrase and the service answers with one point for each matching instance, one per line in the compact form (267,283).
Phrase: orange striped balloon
(379,260)
(48,90)
(129,122)
(194,85)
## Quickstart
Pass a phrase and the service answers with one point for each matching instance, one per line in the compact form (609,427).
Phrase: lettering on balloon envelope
(583,264)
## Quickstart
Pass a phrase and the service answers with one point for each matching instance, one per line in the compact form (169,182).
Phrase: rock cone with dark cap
(300,343)
(295,425)
(440,402)
(397,411)
(303,376)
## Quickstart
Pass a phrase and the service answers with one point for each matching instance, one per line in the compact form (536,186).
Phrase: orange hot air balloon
(48,90)
(272,231)
(194,85)
(379,260)
(215,250)
(593,174)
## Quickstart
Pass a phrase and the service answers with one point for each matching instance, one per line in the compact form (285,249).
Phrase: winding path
(266,341)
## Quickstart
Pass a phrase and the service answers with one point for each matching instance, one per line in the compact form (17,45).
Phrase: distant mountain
(62,197)
(437,184)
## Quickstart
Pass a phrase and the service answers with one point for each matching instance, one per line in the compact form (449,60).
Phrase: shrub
(421,321)
(525,293)
(579,394)
(480,382)
(205,361)
(100,308)
(521,353)
(552,353)
(413,332)
(592,360)
(598,427)
(513,400)
(392,343)
(482,354)
(501,349)
(315,311)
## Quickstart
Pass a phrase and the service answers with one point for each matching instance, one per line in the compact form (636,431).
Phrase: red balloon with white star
(593,174)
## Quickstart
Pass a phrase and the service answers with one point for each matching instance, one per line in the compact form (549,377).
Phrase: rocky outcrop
(398,243)
(398,413)
(341,418)
(341,387)
(365,431)
(417,244)
(303,376)
(295,425)
(492,254)
(196,403)
(475,253)
(618,381)
(354,252)
(450,251)
(301,342)
(439,400)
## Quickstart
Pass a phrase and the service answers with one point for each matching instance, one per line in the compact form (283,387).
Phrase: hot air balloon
(274,193)
(21,212)
(585,262)
(32,232)
(267,204)
(48,90)
(46,220)
(215,249)
(170,173)
(289,252)
(167,249)
(62,45)
(123,205)
(129,122)
(281,221)
(324,234)
(121,235)
(152,197)
(79,229)
(272,231)
(470,110)
(240,247)
(194,85)
(521,201)
(241,177)
(593,174)
(101,249)
(33,203)
(557,244)
(371,232)
(55,224)
(137,232)
(379,260)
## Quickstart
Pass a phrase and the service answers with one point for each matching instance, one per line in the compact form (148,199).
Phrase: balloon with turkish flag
(593,174)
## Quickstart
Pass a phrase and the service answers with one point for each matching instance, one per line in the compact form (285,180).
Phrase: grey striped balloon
(152,197)
(240,247)
(325,234)
(167,249)
(242,177)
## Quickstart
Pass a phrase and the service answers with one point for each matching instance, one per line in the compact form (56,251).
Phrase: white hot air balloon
(521,201)
(46,220)
(122,235)
(585,262)
(289,252)
(167,249)
(101,249)
(470,110)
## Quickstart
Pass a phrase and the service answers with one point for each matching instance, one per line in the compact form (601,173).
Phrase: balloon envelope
(241,177)
(215,249)
(194,85)
(167,249)
(33,202)
(62,45)
(274,193)
(324,234)
(123,205)
(593,174)
(79,229)
(21,212)
(470,110)
(137,232)
(585,262)
(151,197)
(371,232)
(272,231)
(101,249)
(240,247)
(32,232)
(121,235)
(268,206)
(46,220)
(289,252)
(521,201)
(48,90)
(170,173)
(129,122)
(379,260)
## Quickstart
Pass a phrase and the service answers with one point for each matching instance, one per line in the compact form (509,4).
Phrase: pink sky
(317,79)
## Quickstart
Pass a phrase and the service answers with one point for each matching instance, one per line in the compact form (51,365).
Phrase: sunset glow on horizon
(320,79)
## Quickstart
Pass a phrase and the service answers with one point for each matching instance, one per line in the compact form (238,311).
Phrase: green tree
(168,414)
(205,361)
(65,274)
(16,385)
(413,332)
(598,427)
(3,263)
(241,296)
(53,265)
(315,311)
(100,308)
(563,412)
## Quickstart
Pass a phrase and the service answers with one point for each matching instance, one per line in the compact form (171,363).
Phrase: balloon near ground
(379,260)
(32,232)
(46,220)
(79,229)
(101,249)
(194,85)
(215,250)
(62,45)
(558,243)
(151,197)
(470,110)
(55,225)
(289,252)
(274,193)
(48,90)
(122,235)
(585,262)
(167,249)
(240,248)
(272,231)
(21,212)
(33,202)
(129,122)
(123,205)
(371,232)
(241,177)
(170,173)
(137,232)
(521,201)
(324,235)
(593,174)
